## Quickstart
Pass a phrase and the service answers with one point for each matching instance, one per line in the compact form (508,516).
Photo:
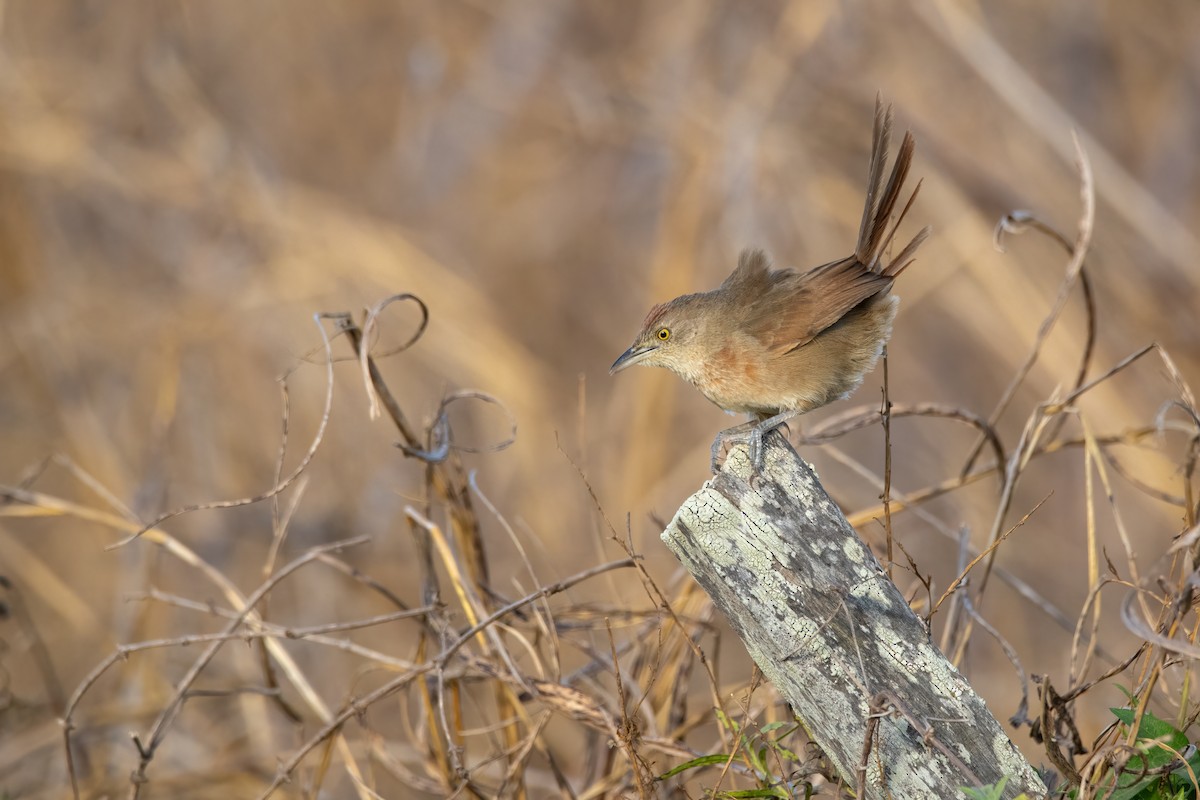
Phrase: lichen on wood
(834,635)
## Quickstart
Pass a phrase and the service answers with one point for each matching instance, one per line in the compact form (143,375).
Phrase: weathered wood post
(832,632)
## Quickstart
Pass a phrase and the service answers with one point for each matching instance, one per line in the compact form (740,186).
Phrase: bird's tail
(874,235)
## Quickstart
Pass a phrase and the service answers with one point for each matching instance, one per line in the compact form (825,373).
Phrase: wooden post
(835,636)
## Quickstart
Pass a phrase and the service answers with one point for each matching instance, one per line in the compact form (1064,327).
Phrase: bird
(778,343)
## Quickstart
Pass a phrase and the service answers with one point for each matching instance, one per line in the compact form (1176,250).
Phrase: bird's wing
(792,311)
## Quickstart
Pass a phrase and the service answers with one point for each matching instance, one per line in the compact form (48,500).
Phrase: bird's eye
(663,334)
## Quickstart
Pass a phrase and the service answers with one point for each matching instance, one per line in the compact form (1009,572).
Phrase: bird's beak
(631,356)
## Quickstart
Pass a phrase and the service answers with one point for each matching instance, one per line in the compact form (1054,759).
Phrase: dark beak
(631,356)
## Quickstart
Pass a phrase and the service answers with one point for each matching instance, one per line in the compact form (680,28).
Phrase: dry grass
(188,184)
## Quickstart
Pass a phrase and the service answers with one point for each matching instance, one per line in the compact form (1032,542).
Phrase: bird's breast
(734,377)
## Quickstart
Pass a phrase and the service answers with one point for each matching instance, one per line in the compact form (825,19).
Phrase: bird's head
(671,337)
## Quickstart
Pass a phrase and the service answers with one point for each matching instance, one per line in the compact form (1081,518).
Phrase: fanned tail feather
(873,235)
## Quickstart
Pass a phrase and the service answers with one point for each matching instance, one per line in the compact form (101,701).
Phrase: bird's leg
(758,432)
(753,432)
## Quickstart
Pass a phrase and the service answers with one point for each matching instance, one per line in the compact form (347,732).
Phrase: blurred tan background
(186,184)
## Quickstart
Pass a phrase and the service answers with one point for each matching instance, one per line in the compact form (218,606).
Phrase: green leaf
(784,753)
(1133,790)
(1153,728)
(713,760)
(757,760)
(1194,763)
(1151,732)
(993,792)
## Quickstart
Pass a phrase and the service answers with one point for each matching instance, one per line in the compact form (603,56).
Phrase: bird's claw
(715,454)
(754,434)
(754,442)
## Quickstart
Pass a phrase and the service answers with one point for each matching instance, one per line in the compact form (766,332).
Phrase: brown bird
(777,343)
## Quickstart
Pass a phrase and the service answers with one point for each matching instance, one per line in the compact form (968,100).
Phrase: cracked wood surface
(834,635)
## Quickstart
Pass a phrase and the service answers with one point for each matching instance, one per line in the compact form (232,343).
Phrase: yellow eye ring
(663,334)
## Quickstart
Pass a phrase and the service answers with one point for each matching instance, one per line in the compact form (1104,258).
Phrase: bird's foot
(754,434)
(724,439)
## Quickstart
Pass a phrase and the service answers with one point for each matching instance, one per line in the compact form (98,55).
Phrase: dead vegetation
(405,599)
